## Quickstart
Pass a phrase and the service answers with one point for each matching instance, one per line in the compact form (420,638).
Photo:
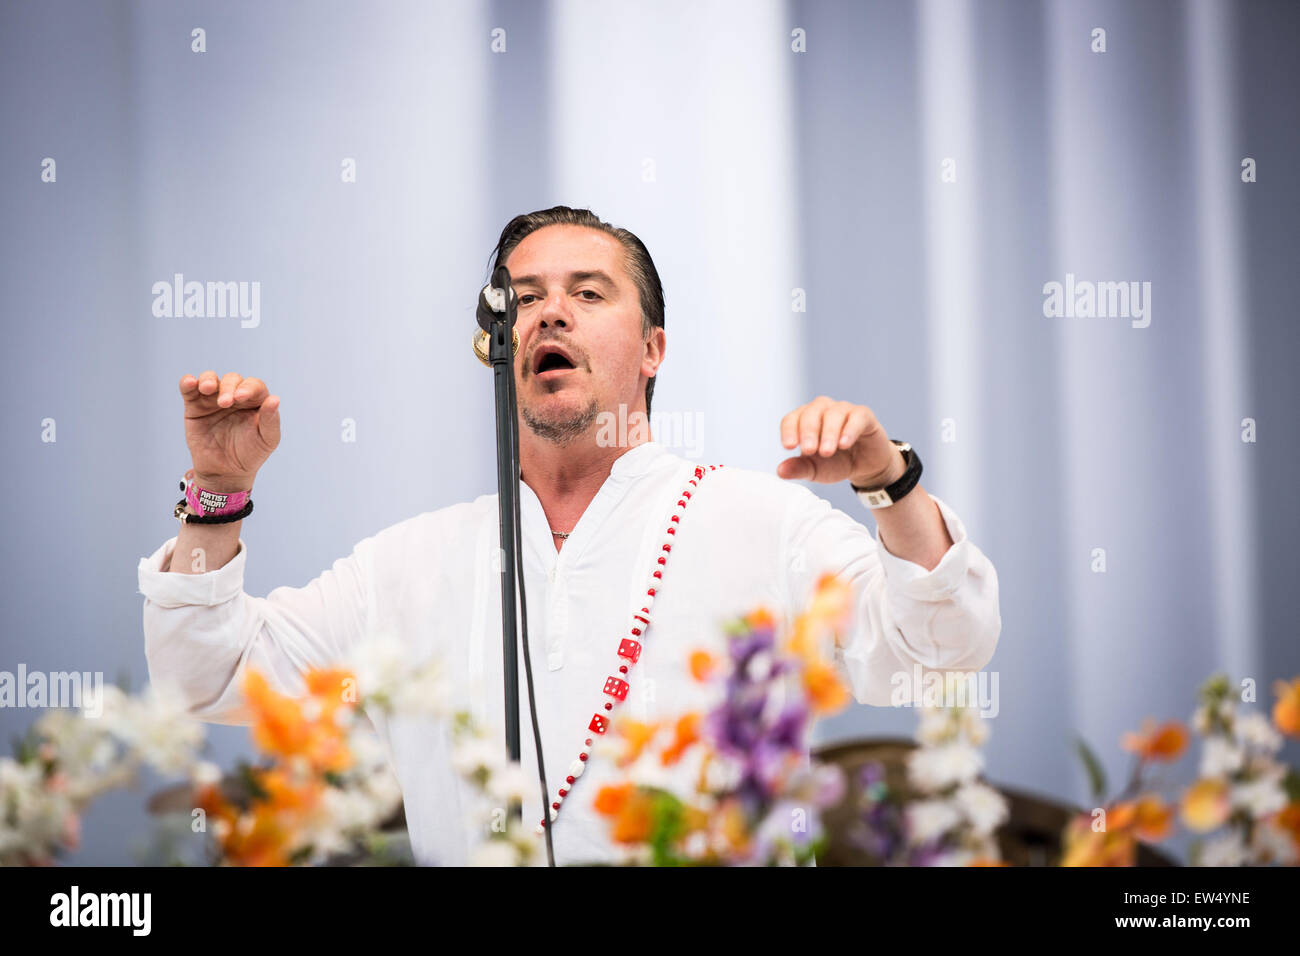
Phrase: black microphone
(492,303)
(492,300)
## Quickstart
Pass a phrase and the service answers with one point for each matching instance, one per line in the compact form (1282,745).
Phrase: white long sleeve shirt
(746,540)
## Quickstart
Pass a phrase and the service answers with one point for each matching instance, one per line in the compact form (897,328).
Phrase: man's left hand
(838,441)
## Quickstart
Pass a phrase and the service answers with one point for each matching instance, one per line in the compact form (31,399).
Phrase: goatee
(561,430)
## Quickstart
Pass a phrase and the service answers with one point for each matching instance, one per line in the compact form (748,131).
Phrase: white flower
(649,771)
(19,780)
(350,810)
(205,773)
(511,783)
(1220,757)
(975,727)
(378,664)
(723,774)
(367,748)
(157,727)
(759,666)
(1261,796)
(385,791)
(1201,720)
(1256,732)
(1274,845)
(929,819)
(696,845)
(608,748)
(108,700)
(33,818)
(477,753)
(983,806)
(389,678)
(935,726)
(1226,850)
(934,768)
(495,853)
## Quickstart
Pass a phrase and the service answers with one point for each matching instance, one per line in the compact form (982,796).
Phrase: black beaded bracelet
(187,518)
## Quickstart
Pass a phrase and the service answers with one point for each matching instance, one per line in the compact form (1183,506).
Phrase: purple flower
(745,646)
(829,785)
(788,728)
(870,773)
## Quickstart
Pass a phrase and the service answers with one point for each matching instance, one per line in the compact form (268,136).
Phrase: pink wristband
(214,503)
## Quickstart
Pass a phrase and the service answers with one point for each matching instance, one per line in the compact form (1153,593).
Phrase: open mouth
(551,359)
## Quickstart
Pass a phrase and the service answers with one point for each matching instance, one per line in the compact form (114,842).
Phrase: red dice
(598,724)
(629,650)
(616,688)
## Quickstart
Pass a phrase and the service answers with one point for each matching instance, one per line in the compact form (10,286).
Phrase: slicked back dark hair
(637,260)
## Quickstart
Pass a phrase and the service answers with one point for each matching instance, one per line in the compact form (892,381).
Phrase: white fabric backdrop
(750,171)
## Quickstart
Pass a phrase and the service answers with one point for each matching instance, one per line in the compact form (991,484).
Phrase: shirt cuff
(174,589)
(913,580)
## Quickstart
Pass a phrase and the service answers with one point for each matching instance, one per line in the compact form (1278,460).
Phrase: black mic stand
(496,316)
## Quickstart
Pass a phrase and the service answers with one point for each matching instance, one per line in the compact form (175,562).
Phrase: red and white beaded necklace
(629,648)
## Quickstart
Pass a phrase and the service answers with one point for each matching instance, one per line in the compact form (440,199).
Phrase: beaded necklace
(629,648)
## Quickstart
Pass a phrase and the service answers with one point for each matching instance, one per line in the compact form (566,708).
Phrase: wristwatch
(884,497)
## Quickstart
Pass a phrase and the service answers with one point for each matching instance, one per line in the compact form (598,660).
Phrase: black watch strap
(884,497)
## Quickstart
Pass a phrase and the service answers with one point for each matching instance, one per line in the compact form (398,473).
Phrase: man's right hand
(232,425)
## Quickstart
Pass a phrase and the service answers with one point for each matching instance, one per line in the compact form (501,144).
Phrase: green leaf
(1096,775)
(667,825)
(1291,784)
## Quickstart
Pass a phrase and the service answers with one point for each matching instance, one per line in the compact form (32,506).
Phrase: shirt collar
(636,460)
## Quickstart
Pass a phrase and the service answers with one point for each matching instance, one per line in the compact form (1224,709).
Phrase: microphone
(492,302)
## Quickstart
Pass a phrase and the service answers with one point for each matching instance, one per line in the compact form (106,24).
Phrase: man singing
(633,556)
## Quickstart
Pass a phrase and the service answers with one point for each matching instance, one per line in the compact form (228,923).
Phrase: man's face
(579,321)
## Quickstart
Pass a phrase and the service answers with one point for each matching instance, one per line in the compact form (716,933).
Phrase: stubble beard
(561,429)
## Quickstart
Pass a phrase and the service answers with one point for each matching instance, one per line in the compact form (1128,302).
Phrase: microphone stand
(497,310)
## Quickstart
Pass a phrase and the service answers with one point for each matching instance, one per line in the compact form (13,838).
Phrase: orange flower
(828,610)
(702,665)
(1166,742)
(333,688)
(1121,816)
(257,839)
(686,733)
(759,619)
(1153,818)
(634,819)
(631,809)
(1113,846)
(1286,712)
(826,692)
(281,729)
(983,861)
(1288,820)
(732,827)
(278,725)
(636,735)
(610,800)
(287,795)
(694,819)
(831,601)
(1205,805)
